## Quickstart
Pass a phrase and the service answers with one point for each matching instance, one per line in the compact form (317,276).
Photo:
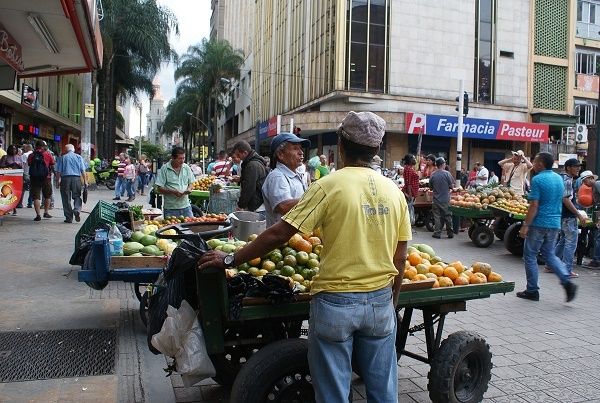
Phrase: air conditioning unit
(581,133)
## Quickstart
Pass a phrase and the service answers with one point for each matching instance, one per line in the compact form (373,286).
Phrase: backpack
(38,167)
(584,196)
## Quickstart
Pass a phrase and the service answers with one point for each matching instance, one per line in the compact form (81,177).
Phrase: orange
(415,258)
(436,269)
(451,273)
(410,273)
(458,266)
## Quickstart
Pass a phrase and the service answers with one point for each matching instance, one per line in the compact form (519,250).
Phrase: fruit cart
(199,198)
(422,206)
(264,342)
(512,223)
(480,231)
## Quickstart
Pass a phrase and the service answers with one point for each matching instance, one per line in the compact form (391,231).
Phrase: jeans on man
(363,323)
(177,212)
(542,240)
(119,186)
(567,242)
(596,253)
(129,187)
(441,214)
(70,188)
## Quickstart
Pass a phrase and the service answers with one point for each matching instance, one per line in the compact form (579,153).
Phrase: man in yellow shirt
(365,227)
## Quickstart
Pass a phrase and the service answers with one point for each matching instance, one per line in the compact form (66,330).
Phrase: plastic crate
(224,201)
(103,213)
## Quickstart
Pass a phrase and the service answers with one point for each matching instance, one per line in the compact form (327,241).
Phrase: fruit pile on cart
(214,195)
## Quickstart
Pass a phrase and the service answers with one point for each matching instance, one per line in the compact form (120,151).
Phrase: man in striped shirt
(221,167)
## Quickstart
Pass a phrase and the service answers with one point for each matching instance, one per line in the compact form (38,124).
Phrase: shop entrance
(490,161)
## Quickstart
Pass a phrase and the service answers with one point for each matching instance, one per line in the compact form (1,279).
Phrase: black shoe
(46,215)
(533,296)
(29,206)
(37,218)
(117,198)
(436,236)
(77,217)
(68,221)
(450,235)
(571,290)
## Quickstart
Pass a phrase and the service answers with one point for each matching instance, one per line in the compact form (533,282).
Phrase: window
(586,111)
(367,44)
(484,51)
(585,62)
(586,11)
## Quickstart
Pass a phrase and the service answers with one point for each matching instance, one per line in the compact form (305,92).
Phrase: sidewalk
(39,291)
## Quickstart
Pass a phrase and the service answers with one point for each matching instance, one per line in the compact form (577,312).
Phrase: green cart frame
(263,357)
(480,231)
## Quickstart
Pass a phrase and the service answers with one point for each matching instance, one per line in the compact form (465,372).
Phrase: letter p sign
(415,123)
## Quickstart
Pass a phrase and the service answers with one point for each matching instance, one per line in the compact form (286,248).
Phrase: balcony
(588,31)
(587,82)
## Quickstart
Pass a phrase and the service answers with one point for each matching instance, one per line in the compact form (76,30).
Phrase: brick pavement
(546,351)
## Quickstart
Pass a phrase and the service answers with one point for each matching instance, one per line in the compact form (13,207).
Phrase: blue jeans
(363,323)
(176,212)
(129,187)
(119,186)
(596,255)
(567,242)
(542,240)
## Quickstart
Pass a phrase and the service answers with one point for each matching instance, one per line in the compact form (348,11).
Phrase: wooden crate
(139,262)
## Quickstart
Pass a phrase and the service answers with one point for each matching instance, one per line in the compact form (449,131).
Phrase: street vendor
(365,227)
(515,170)
(174,181)
(254,172)
(429,166)
(284,185)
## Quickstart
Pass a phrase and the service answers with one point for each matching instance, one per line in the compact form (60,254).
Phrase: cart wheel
(420,219)
(461,369)
(277,373)
(512,241)
(500,226)
(144,309)
(139,289)
(482,236)
(429,222)
(470,230)
(197,211)
(97,285)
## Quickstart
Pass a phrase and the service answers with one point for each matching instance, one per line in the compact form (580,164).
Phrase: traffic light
(465,104)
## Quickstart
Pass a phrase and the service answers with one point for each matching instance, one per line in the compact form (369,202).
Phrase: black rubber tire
(471,229)
(97,285)
(277,373)
(144,309)
(512,241)
(482,236)
(500,226)
(429,222)
(197,211)
(420,219)
(460,369)
(110,184)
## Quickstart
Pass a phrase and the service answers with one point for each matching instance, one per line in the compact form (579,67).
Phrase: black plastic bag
(85,245)
(176,283)
(276,289)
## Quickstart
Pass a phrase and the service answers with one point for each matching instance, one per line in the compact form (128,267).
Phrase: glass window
(484,52)
(378,12)
(359,32)
(579,11)
(358,62)
(376,68)
(360,11)
(592,13)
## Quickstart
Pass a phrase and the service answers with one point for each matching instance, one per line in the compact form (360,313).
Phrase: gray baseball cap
(365,128)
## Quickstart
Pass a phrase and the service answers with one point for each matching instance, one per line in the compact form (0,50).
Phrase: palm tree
(135,34)
(201,70)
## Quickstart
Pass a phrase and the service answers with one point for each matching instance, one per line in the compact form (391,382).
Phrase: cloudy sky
(193,17)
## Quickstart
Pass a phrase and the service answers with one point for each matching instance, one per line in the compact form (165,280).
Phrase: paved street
(544,351)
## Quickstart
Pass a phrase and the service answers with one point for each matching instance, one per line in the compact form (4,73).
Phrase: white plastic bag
(181,337)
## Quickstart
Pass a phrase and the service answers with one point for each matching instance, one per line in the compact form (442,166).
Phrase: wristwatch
(228,260)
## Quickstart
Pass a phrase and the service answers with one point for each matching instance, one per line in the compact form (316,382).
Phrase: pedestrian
(481,179)
(121,163)
(40,164)
(441,183)
(591,180)
(493,179)
(254,172)
(13,160)
(70,174)
(322,169)
(429,167)
(363,219)
(515,170)
(142,175)
(304,174)
(284,186)
(567,237)
(129,175)
(196,169)
(376,164)
(221,167)
(541,227)
(174,180)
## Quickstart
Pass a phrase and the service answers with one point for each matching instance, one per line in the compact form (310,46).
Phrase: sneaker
(436,236)
(548,270)
(571,290)
(573,275)
(77,216)
(29,206)
(532,296)
(46,215)
(450,235)
(68,221)
(37,218)
(593,264)
(130,199)
(117,198)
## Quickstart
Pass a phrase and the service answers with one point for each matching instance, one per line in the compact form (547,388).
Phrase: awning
(50,37)
(554,120)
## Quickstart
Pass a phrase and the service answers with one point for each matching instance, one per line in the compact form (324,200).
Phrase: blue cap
(286,138)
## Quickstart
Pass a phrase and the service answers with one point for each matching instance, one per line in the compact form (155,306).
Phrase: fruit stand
(480,230)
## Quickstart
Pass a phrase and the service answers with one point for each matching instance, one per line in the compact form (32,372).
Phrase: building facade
(156,117)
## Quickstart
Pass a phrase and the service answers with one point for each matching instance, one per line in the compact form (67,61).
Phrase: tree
(135,34)
(201,70)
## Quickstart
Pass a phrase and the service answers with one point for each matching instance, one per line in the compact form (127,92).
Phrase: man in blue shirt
(541,227)
(70,173)
(283,186)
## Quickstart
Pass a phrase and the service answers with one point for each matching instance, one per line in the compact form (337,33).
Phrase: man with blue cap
(284,186)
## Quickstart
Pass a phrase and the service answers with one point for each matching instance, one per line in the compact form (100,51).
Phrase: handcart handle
(185,230)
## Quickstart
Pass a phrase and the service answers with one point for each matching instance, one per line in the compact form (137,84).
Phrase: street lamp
(207,128)
(139,105)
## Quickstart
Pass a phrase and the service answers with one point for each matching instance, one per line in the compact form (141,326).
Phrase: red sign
(516,131)
(272,130)
(10,50)
(11,189)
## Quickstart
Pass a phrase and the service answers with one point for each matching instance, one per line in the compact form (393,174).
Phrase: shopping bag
(85,194)
(411,211)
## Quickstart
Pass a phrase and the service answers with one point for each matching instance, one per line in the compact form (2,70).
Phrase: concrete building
(315,61)
(156,117)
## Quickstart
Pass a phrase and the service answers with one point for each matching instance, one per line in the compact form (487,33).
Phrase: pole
(140,138)
(595,166)
(459,137)
(86,135)
(291,125)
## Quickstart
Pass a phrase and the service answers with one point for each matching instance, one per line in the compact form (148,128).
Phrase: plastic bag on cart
(176,283)
(85,245)
(181,338)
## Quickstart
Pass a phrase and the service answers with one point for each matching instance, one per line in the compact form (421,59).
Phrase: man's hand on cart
(523,231)
(212,258)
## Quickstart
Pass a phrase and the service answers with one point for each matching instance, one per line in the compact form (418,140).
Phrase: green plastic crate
(103,213)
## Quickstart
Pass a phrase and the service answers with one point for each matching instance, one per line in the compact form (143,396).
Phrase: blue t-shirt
(547,187)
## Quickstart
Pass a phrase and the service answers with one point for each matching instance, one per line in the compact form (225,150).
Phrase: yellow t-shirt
(362,216)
